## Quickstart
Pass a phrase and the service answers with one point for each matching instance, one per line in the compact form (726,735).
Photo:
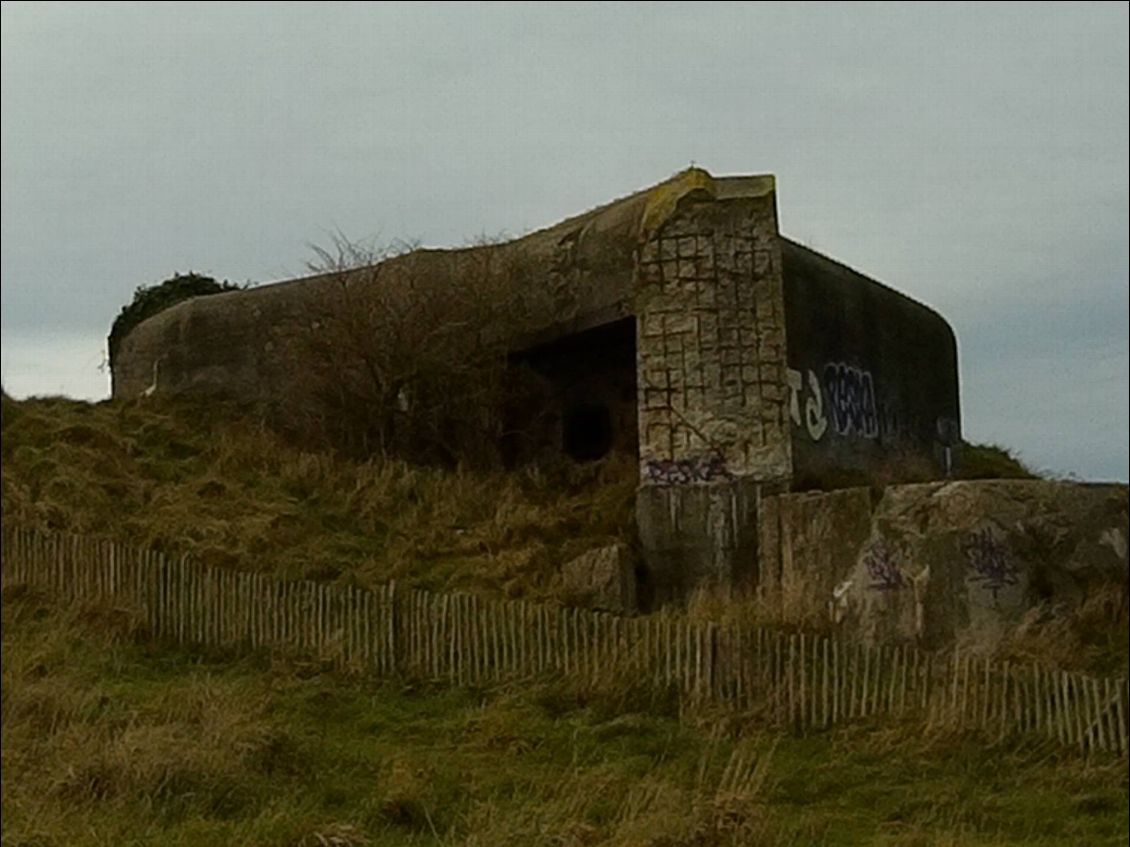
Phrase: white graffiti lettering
(851,396)
(795,384)
(814,420)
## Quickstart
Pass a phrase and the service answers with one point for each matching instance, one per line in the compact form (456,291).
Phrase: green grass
(108,739)
(991,461)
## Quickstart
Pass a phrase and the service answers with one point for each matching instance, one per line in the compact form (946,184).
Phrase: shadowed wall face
(872,378)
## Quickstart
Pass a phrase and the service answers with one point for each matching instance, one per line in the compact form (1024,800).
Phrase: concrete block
(602,579)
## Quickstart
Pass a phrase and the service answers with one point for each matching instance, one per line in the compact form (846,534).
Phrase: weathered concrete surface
(711,345)
(808,544)
(940,562)
(602,579)
(872,378)
(713,425)
(757,363)
(697,535)
(241,344)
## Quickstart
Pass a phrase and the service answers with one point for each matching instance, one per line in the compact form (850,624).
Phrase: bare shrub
(405,350)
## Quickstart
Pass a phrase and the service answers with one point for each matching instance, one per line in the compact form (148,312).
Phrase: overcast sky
(973,157)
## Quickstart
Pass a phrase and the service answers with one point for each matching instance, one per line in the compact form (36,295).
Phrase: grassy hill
(205,480)
(108,741)
(109,738)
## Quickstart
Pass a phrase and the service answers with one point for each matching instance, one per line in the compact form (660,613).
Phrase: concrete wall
(711,349)
(939,562)
(872,377)
(713,424)
(241,344)
(808,544)
(755,365)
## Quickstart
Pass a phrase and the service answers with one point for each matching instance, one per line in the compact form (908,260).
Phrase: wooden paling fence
(790,679)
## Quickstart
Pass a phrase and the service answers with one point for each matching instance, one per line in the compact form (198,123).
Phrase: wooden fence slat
(668,652)
(1082,710)
(1021,699)
(364,628)
(423,608)
(368,629)
(298,616)
(584,622)
(1098,718)
(866,683)
(494,620)
(987,693)
(805,681)
(478,648)
(1079,698)
(791,673)
(1120,713)
(487,610)
(435,633)
(468,658)
(838,712)
(1043,714)
(1066,720)
(1059,681)
(1046,702)
(525,623)
(1003,700)
(1062,710)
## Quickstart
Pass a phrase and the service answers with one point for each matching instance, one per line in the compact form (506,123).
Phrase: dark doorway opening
(580,395)
(588,432)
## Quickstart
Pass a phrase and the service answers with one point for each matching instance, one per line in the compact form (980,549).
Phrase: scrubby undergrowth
(108,741)
(209,481)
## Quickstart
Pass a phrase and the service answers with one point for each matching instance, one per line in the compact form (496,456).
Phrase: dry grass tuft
(216,484)
(1090,635)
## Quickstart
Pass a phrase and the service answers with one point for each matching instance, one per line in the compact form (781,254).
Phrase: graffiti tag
(881,561)
(845,397)
(686,471)
(989,561)
(851,397)
(814,419)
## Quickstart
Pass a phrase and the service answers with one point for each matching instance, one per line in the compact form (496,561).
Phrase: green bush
(991,461)
(148,300)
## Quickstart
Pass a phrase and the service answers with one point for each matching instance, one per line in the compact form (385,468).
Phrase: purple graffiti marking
(851,400)
(881,562)
(686,471)
(989,561)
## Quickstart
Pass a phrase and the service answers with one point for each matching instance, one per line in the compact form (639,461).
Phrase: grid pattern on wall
(711,346)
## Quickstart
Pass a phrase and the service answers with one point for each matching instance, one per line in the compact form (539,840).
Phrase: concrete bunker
(677,325)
